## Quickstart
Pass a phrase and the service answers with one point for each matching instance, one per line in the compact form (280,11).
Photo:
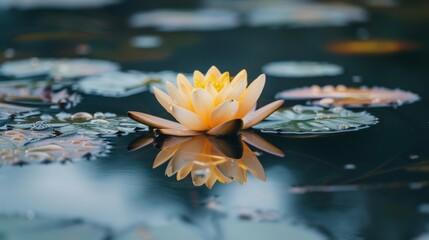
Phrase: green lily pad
(315,120)
(19,147)
(83,123)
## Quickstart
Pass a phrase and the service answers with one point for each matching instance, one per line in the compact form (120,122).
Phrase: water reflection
(209,159)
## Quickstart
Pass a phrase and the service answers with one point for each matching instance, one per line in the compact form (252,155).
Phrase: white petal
(251,95)
(154,121)
(224,112)
(203,104)
(242,75)
(255,117)
(163,99)
(237,90)
(184,85)
(228,128)
(188,119)
(178,97)
(213,70)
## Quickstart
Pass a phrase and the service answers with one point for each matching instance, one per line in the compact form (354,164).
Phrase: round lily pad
(350,96)
(97,124)
(302,69)
(315,120)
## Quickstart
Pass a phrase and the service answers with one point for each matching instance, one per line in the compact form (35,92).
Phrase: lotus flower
(214,104)
(209,159)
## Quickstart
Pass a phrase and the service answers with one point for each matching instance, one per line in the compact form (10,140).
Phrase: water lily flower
(213,104)
(208,159)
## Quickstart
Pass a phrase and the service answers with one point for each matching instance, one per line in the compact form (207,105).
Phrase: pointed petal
(163,156)
(184,172)
(228,128)
(200,174)
(210,89)
(202,102)
(237,90)
(255,117)
(224,112)
(199,81)
(242,75)
(153,121)
(251,163)
(211,181)
(251,95)
(173,141)
(188,118)
(215,71)
(140,143)
(260,143)
(179,132)
(178,97)
(163,99)
(184,85)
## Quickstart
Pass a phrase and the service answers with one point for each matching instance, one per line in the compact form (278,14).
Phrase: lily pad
(350,96)
(302,69)
(99,124)
(315,120)
(123,84)
(19,147)
(36,93)
(182,20)
(306,15)
(8,110)
(56,68)
(373,46)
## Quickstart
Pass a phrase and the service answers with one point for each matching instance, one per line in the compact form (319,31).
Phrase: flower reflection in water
(209,159)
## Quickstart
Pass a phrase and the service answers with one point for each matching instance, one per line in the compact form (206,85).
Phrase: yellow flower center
(218,82)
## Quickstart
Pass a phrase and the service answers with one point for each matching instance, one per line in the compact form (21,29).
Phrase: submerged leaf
(103,124)
(350,97)
(315,120)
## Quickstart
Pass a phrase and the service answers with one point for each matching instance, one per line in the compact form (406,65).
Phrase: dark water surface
(369,184)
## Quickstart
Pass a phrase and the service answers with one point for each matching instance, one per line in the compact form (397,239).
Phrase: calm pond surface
(366,184)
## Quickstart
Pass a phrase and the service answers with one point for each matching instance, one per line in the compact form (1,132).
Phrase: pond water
(365,184)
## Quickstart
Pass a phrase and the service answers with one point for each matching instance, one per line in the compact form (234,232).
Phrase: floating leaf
(306,14)
(181,20)
(373,46)
(122,84)
(146,41)
(57,68)
(28,146)
(104,124)
(315,120)
(350,97)
(8,110)
(301,69)
(37,93)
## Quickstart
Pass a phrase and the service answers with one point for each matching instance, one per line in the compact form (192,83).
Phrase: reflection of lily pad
(350,97)
(315,120)
(57,68)
(302,69)
(104,124)
(27,146)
